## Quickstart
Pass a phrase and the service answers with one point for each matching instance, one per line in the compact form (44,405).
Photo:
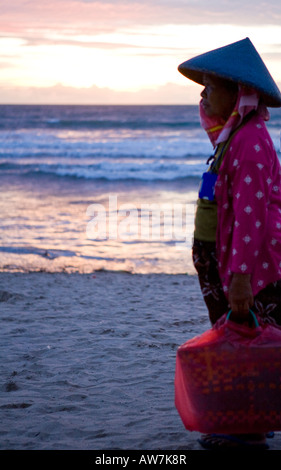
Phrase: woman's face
(218,99)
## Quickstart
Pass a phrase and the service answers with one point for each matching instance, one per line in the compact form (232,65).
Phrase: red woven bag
(228,380)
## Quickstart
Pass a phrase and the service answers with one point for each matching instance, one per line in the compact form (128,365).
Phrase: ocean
(87,188)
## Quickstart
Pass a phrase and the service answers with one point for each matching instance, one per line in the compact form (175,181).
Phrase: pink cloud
(59,94)
(73,15)
(87,17)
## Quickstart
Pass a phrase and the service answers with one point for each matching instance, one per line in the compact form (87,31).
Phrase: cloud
(62,22)
(169,93)
(140,28)
(122,45)
(87,17)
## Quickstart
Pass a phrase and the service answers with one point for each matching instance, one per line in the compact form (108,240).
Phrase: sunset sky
(123,52)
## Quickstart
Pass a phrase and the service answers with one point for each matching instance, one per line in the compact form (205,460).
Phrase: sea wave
(107,170)
(98,117)
(146,143)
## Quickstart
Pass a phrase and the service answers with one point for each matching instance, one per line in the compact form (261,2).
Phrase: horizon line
(97,104)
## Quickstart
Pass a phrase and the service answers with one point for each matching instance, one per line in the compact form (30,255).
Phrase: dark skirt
(267,303)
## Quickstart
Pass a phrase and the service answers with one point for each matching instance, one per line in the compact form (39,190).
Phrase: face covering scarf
(218,129)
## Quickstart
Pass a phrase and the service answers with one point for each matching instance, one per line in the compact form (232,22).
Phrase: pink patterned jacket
(248,194)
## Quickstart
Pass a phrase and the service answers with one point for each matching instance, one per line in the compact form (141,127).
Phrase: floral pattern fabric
(248,195)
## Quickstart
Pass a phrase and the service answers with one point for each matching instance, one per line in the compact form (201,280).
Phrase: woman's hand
(240,295)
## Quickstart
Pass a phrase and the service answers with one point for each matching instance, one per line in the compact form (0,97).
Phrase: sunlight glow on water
(48,229)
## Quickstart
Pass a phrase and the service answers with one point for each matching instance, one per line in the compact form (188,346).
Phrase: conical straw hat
(239,62)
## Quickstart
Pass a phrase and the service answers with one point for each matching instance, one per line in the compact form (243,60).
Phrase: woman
(237,237)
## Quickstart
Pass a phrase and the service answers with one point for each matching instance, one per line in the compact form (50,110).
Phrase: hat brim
(238,62)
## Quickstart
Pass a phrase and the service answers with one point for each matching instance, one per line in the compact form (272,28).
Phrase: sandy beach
(87,360)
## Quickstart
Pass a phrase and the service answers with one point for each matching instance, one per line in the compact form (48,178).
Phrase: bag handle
(253,315)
